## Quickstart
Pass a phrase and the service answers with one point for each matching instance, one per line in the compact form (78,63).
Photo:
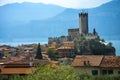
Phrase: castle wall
(73,32)
(91,36)
(58,40)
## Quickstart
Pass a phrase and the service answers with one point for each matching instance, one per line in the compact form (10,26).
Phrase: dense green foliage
(51,53)
(98,48)
(95,47)
(46,72)
(39,54)
(49,73)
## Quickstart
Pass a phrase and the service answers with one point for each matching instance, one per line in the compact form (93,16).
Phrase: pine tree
(94,31)
(39,54)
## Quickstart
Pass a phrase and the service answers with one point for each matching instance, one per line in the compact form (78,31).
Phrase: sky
(64,3)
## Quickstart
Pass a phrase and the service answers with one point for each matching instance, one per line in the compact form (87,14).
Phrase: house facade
(65,51)
(97,65)
(20,67)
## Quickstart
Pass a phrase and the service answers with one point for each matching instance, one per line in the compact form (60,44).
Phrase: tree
(50,53)
(110,44)
(102,40)
(62,36)
(94,31)
(39,54)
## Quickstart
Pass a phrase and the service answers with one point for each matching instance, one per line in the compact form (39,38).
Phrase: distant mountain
(15,18)
(104,18)
(28,11)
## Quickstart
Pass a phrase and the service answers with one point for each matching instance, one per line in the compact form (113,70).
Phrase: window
(0,70)
(104,72)
(118,72)
(94,72)
(110,71)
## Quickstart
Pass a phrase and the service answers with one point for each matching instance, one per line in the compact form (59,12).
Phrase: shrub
(49,73)
(46,72)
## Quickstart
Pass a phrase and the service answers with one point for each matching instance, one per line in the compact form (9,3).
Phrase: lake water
(20,43)
(116,44)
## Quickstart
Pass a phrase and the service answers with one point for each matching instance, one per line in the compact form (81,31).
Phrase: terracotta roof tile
(17,70)
(27,62)
(5,49)
(16,58)
(81,61)
(110,61)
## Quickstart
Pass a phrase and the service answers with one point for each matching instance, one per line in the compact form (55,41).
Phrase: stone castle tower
(77,33)
(83,23)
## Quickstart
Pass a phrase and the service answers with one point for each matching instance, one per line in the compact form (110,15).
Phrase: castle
(77,33)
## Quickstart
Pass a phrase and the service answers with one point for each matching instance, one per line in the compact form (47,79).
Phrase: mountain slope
(104,18)
(28,11)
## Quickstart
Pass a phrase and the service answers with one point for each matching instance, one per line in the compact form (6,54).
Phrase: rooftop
(80,61)
(111,61)
(97,61)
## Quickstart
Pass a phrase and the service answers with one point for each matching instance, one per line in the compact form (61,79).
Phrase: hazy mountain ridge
(104,18)
(28,11)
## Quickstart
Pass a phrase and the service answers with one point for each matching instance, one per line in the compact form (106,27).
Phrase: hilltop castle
(80,41)
(77,33)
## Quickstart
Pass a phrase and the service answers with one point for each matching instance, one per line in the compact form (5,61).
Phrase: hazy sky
(64,3)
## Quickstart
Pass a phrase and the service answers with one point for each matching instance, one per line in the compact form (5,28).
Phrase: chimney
(86,63)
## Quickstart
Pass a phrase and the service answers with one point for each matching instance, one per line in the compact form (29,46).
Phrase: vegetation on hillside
(96,47)
(50,53)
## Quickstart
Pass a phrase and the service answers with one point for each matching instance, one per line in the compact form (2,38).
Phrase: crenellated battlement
(83,14)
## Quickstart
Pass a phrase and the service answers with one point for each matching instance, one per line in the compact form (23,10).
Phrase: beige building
(20,67)
(68,44)
(53,45)
(66,49)
(97,65)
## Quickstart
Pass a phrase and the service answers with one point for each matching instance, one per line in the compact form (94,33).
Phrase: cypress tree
(39,54)
(94,31)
